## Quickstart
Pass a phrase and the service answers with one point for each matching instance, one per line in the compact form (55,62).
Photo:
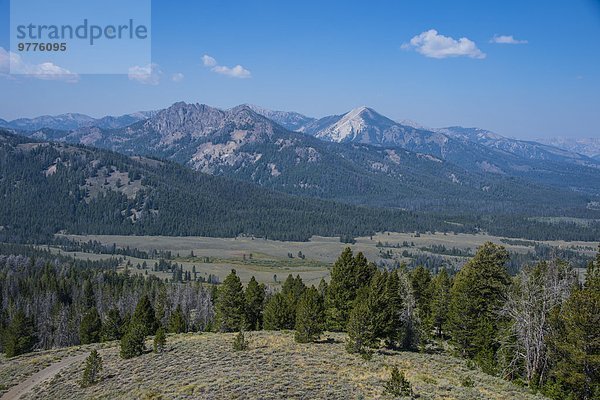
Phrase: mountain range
(360,157)
(586,146)
(71,121)
(52,187)
(56,187)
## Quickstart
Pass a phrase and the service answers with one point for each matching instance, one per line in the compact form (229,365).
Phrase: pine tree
(348,275)
(19,337)
(323,288)
(240,343)
(89,298)
(93,368)
(177,322)
(145,316)
(379,303)
(476,296)
(133,342)
(255,299)
(398,385)
(292,290)
(422,288)
(360,327)
(310,316)
(277,315)
(90,327)
(230,307)
(440,302)
(576,342)
(112,328)
(160,340)
(394,305)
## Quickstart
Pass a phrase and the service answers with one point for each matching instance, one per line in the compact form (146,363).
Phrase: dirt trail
(47,373)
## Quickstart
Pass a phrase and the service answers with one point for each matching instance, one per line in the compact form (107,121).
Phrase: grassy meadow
(267,259)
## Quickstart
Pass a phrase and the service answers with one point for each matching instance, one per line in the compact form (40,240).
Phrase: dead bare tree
(535,292)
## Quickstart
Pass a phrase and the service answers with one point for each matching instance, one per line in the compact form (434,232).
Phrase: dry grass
(17,369)
(204,366)
(270,257)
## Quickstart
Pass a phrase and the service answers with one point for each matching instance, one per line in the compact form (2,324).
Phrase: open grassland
(266,259)
(16,370)
(204,366)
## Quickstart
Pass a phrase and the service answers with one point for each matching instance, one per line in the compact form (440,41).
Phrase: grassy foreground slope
(204,366)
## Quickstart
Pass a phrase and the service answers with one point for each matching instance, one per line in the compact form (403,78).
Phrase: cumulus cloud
(146,75)
(506,39)
(431,44)
(11,63)
(177,77)
(208,61)
(234,72)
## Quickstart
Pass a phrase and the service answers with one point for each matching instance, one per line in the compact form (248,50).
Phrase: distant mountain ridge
(471,148)
(241,144)
(290,120)
(586,146)
(72,121)
(270,148)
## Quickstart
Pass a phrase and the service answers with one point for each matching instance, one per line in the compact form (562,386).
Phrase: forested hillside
(48,188)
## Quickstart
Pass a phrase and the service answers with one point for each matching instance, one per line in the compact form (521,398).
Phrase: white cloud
(177,77)
(208,61)
(14,63)
(431,44)
(234,72)
(147,75)
(506,39)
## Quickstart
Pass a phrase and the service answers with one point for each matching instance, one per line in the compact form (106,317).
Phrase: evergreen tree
(160,340)
(440,302)
(576,342)
(361,331)
(230,307)
(89,298)
(348,275)
(145,316)
(19,336)
(379,304)
(240,343)
(392,309)
(255,299)
(112,328)
(90,327)
(476,295)
(177,322)
(93,368)
(292,290)
(277,315)
(422,288)
(133,342)
(323,288)
(310,316)
(398,385)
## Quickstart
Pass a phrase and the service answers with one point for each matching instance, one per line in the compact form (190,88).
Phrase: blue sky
(405,59)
